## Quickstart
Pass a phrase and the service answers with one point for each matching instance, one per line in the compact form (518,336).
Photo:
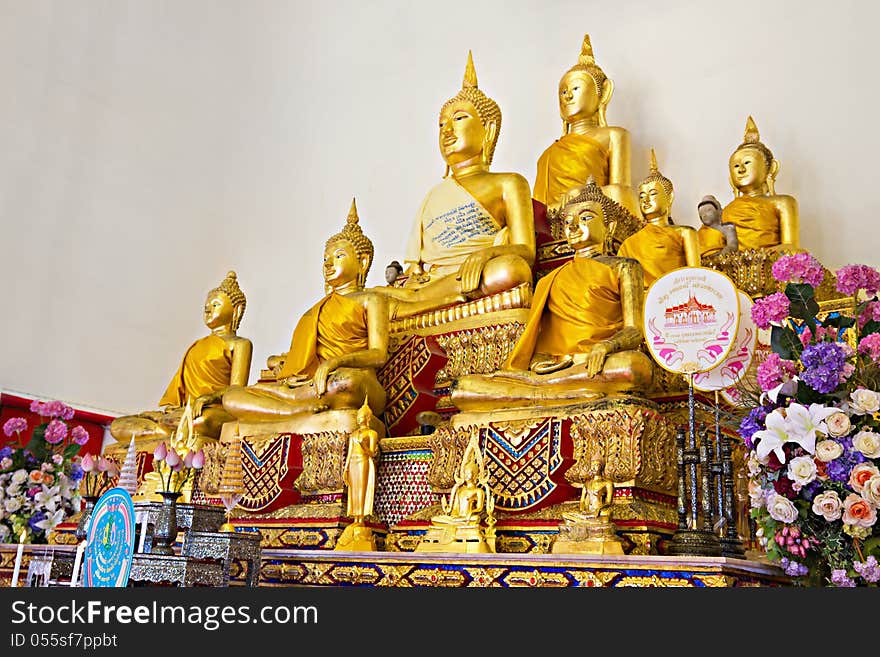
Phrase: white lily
(772,438)
(804,423)
(48,497)
(787,388)
(51,521)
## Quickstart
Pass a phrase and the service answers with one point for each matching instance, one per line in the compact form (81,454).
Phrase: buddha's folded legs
(625,371)
(160,425)
(266,402)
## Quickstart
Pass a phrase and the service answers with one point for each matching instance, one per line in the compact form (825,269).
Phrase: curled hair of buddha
(236,297)
(656,176)
(587,64)
(752,139)
(619,222)
(487,109)
(352,233)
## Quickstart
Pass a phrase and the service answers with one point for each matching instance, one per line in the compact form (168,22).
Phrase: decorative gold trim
(472,314)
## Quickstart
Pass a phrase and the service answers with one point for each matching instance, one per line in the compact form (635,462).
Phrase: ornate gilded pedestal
(229,548)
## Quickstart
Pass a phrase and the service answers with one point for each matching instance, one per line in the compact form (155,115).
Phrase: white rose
(754,466)
(12,505)
(19,476)
(864,401)
(828,505)
(802,470)
(868,443)
(781,508)
(871,491)
(838,424)
(828,450)
(756,494)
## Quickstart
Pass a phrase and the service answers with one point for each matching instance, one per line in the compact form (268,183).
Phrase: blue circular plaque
(110,540)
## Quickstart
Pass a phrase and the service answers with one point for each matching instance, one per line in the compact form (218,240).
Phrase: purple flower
(753,422)
(798,268)
(76,472)
(839,578)
(773,308)
(5,452)
(79,435)
(869,570)
(39,408)
(823,366)
(852,278)
(810,491)
(14,425)
(39,516)
(55,432)
(839,469)
(793,568)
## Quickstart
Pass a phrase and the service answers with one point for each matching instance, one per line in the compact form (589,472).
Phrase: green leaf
(871,327)
(70,451)
(784,341)
(803,303)
(806,395)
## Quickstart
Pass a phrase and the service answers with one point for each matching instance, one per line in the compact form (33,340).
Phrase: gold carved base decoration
(587,536)
(357,537)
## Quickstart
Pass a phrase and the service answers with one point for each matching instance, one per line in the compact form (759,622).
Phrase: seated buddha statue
(584,329)
(660,246)
(715,235)
(336,347)
(588,146)
(209,366)
(474,234)
(763,218)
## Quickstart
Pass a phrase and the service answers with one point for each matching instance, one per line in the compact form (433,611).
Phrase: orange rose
(36,476)
(858,512)
(860,475)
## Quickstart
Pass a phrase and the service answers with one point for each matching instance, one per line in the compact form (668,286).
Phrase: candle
(18,556)
(74,578)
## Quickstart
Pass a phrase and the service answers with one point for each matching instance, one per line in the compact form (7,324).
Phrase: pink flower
(852,278)
(39,408)
(188,460)
(5,463)
(173,458)
(103,464)
(199,460)
(871,313)
(14,425)
(798,268)
(858,512)
(57,459)
(88,463)
(79,435)
(870,345)
(160,452)
(805,336)
(770,309)
(774,371)
(55,432)
(59,409)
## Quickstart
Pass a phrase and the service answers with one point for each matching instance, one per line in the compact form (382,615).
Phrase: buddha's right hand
(295,380)
(551,364)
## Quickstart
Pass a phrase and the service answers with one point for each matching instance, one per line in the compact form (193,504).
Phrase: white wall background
(146,147)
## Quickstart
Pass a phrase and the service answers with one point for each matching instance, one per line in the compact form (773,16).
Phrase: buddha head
(655,194)
(469,123)
(709,209)
(752,166)
(224,305)
(348,254)
(581,228)
(584,90)
(364,414)
(393,271)
(596,466)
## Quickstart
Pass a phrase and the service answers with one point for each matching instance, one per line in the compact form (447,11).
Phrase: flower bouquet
(814,446)
(38,482)
(174,469)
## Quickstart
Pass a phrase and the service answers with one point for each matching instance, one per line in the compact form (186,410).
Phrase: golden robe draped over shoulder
(710,241)
(205,368)
(566,164)
(659,249)
(334,326)
(756,219)
(575,306)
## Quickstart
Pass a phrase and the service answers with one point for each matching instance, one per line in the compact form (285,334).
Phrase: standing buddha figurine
(660,246)
(763,218)
(588,146)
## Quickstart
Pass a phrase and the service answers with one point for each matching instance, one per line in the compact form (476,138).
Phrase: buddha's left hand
(595,359)
(322,373)
(471,271)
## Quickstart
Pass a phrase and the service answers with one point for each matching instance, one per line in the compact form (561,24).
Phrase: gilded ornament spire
(653,162)
(751,136)
(470,73)
(586,56)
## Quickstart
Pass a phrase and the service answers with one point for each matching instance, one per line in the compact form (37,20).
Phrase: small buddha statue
(211,364)
(660,246)
(597,494)
(588,146)
(474,234)
(336,346)
(763,218)
(359,476)
(582,336)
(715,235)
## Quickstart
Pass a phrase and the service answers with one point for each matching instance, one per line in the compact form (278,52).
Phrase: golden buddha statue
(763,218)
(359,476)
(588,146)
(660,246)
(597,493)
(715,235)
(585,326)
(209,366)
(475,233)
(336,347)
(460,527)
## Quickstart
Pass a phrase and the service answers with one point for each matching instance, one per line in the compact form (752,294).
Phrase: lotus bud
(172,458)
(188,460)
(199,460)
(160,452)
(88,463)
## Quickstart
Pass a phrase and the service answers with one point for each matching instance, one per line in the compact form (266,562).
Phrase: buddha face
(218,310)
(748,169)
(578,98)
(341,264)
(584,224)
(462,134)
(653,200)
(710,214)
